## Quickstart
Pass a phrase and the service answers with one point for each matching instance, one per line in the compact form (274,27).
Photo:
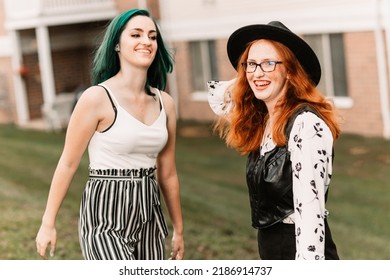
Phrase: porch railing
(22,9)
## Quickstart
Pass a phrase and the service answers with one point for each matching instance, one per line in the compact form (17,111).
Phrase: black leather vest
(269,179)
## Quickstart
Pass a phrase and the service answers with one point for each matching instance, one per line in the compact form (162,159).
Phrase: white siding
(202,19)
(26,14)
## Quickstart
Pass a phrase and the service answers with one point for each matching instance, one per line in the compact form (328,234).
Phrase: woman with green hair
(128,125)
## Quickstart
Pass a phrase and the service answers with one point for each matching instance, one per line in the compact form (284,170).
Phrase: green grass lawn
(214,196)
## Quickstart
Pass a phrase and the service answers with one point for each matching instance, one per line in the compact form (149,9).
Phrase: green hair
(106,60)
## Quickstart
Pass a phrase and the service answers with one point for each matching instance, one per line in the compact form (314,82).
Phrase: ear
(117,48)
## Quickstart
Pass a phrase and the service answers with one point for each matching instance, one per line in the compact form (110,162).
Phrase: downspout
(383,64)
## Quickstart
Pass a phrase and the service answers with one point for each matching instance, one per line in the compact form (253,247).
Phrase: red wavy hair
(243,127)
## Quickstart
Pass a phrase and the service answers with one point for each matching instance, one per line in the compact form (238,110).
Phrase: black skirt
(278,243)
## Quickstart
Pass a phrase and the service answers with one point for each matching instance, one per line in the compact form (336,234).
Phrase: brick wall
(71,69)
(123,5)
(363,83)
(33,85)
(226,70)
(188,108)
(153,6)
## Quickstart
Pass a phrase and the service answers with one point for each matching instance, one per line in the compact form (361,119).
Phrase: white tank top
(128,143)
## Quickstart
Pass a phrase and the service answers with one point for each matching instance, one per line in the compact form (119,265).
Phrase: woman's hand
(46,235)
(177,247)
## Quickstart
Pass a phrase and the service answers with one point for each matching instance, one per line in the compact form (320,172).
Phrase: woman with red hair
(273,113)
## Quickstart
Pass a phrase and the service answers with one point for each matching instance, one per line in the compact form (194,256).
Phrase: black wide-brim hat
(275,31)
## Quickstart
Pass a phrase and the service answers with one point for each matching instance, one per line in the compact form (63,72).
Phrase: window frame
(209,66)
(327,80)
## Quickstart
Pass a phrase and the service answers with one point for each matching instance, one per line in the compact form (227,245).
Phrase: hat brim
(239,39)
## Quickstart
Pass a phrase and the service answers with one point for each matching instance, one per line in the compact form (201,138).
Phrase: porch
(36,27)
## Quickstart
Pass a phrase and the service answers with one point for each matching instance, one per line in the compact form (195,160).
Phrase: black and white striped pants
(121,216)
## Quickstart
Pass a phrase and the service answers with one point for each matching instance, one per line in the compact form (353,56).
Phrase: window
(330,51)
(203,65)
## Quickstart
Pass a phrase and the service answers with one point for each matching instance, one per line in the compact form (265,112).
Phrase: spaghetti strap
(161,101)
(109,96)
(113,106)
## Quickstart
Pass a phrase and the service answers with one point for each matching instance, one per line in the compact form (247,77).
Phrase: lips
(261,83)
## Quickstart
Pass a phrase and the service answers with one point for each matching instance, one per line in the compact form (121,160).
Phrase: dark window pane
(338,65)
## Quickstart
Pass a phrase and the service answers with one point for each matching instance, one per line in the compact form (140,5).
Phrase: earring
(117,48)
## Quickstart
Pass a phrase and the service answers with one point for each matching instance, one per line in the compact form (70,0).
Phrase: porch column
(22,111)
(45,65)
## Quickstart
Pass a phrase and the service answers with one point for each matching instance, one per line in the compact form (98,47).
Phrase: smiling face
(138,42)
(267,86)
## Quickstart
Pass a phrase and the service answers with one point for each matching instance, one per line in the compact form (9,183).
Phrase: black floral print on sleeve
(310,143)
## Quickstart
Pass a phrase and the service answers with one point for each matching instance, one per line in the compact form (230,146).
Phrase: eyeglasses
(265,66)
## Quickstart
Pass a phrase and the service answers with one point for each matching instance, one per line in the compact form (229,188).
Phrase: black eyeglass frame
(245,64)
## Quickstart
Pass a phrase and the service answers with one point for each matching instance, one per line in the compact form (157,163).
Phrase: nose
(146,40)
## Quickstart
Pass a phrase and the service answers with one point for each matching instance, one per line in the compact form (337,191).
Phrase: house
(48,46)
(350,37)
(45,55)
